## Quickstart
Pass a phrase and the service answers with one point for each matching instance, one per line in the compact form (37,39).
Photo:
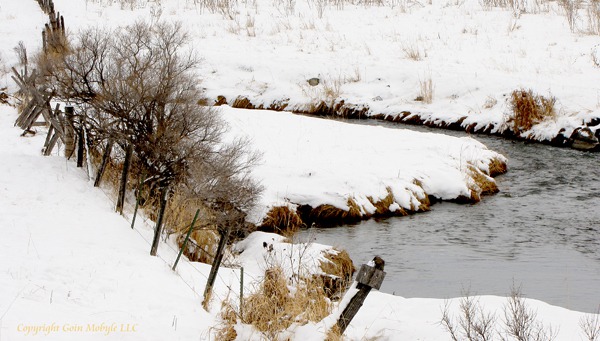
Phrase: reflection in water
(541,231)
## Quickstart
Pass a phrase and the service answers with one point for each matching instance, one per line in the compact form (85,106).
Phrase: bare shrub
(137,86)
(590,325)
(473,323)
(21,52)
(521,322)
(530,109)
(571,8)
(593,16)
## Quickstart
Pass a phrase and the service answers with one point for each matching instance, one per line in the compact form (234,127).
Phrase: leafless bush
(473,324)
(521,322)
(21,52)
(593,16)
(137,86)
(590,325)
(571,8)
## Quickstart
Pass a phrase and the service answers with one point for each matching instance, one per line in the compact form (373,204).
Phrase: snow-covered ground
(377,56)
(74,269)
(312,161)
(73,266)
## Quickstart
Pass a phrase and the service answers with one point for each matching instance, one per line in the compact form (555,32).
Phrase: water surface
(542,232)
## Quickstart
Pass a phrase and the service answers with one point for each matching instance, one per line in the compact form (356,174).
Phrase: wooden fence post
(187,237)
(368,277)
(69,132)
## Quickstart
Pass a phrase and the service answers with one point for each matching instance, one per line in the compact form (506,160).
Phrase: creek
(541,232)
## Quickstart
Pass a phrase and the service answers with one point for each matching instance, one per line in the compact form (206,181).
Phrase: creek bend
(541,232)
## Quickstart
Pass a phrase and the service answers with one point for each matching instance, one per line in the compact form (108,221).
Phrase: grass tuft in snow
(277,304)
(530,109)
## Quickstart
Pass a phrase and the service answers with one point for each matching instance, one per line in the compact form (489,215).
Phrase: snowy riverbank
(73,266)
(364,170)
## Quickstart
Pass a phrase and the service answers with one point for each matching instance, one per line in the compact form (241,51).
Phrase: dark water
(542,231)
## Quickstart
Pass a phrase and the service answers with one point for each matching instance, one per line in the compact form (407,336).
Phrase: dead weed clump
(339,269)
(226,331)
(530,109)
(479,184)
(382,207)
(497,167)
(274,307)
(202,245)
(282,220)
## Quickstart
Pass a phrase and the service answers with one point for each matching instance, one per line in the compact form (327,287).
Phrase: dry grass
(340,268)
(203,245)
(485,184)
(226,331)
(497,167)
(282,220)
(413,51)
(331,215)
(426,90)
(424,202)
(530,109)
(274,307)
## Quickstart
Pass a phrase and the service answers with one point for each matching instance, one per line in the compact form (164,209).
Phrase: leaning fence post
(187,237)
(368,277)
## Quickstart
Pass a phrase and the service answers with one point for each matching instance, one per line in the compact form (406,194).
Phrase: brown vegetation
(497,167)
(339,269)
(529,109)
(274,307)
(281,220)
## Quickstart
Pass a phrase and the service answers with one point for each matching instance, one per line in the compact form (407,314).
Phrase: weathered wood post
(368,277)
(69,132)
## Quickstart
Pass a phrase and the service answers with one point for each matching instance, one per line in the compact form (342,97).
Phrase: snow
(71,268)
(315,161)
(475,56)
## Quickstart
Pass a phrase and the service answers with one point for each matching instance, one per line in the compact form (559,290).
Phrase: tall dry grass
(530,109)
(274,307)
